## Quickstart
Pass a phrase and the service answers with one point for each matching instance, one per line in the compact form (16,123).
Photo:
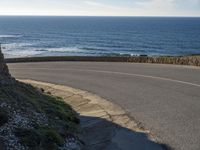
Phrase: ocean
(99,36)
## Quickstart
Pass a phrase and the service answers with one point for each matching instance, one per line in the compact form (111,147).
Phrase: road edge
(99,107)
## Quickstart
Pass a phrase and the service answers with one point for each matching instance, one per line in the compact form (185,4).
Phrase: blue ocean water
(99,36)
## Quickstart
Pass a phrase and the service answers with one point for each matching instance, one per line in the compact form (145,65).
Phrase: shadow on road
(101,134)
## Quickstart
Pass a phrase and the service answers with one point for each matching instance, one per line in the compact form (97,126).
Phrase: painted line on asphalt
(114,72)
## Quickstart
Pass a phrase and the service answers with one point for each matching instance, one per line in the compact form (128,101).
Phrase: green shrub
(39,138)
(50,138)
(28,137)
(56,107)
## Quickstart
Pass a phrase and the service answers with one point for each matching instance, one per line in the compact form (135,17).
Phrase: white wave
(19,50)
(65,49)
(16,45)
(10,36)
(26,50)
(21,53)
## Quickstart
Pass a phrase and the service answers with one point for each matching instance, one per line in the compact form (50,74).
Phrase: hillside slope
(31,119)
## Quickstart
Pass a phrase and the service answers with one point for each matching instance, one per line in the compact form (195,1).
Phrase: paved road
(165,98)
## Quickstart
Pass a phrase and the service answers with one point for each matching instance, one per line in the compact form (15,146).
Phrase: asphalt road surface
(164,98)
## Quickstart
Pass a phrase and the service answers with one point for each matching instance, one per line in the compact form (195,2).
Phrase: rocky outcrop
(3,67)
(5,77)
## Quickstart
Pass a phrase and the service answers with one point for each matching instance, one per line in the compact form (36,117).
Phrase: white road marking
(114,72)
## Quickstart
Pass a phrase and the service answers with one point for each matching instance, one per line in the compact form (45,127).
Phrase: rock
(3,67)
(5,77)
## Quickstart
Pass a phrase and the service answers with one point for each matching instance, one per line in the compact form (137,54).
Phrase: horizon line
(93,16)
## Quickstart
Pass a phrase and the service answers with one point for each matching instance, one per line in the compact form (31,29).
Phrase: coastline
(192,60)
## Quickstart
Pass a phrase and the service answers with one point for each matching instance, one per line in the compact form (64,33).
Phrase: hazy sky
(101,7)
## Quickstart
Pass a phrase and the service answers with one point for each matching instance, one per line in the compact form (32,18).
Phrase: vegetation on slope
(32,119)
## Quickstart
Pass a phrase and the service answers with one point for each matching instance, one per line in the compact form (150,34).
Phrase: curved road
(165,98)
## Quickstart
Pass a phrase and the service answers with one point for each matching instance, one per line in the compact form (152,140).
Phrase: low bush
(40,138)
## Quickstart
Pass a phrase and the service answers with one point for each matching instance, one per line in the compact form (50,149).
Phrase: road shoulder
(105,125)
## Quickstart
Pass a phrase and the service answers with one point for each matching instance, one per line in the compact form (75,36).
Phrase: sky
(101,7)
